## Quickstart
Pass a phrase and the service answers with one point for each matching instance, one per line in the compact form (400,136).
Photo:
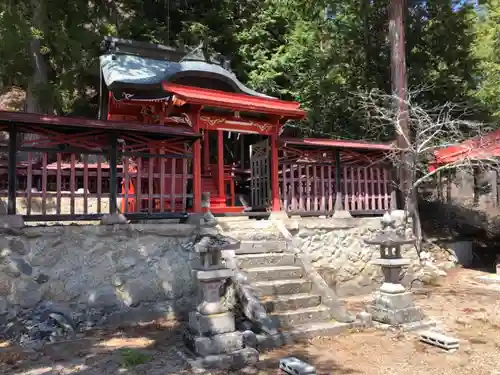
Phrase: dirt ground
(462,307)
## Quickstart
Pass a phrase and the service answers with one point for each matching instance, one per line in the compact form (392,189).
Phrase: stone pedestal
(211,335)
(392,304)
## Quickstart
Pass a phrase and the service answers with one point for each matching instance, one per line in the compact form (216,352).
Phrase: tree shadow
(446,222)
(155,347)
(301,351)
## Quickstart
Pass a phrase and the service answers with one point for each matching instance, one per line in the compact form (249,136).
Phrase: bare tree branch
(430,130)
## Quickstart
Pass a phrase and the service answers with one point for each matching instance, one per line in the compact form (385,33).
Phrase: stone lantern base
(392,304)
(395,308)
(215,344)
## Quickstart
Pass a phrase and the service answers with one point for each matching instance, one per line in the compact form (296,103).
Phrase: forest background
(318,52)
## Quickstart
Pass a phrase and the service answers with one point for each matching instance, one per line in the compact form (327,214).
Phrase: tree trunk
(38,81)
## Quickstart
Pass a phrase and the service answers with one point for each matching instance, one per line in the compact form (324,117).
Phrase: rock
(4,306)
(114,219)
(18,266)
(25,293)
(141,290)
(5,285)
(19,247)
(104,296)
(117,280)
(41,278)
(126,263)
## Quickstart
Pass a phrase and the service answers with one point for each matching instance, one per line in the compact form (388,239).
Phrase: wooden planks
(310,188)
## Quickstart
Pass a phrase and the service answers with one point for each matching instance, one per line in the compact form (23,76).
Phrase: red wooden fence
(312,188)
(69,184)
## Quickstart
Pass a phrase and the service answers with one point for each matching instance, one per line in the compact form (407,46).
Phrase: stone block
(258,247)
(231,361)
(396,316)
(113,219)
(206,275)
(275,273)
(364,320)
(291,319)
(393,301)
(265,260)
(218,344)
(209,325)
(280,287)
(11,222)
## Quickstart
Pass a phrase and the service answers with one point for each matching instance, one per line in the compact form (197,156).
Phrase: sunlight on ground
(126,343)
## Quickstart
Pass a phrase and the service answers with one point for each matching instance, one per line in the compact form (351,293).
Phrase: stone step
(301,332)
(265,260)
(274,273)
(260,247)
(291,302)
(264,234)
(281,287)
(293,318)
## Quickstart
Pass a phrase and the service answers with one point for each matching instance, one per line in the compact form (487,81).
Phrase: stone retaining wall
(108,270)
(337,250)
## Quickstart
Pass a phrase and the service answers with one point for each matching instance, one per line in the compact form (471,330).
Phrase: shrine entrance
(260,182)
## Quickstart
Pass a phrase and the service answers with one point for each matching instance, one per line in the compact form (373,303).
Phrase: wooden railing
(312,188)
(56,186)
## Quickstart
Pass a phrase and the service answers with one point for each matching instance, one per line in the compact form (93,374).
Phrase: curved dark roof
(123,72)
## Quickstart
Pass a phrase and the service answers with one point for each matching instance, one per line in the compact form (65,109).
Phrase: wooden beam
(274,174)
(12,176)
(237,124)
(195,120)
(338,171)
(220,164)
(113,156)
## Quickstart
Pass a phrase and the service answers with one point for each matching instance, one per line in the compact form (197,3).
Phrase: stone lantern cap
(209,243)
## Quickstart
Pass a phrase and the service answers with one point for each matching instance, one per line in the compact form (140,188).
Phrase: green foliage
(318,52)
(130,358)
(487,51)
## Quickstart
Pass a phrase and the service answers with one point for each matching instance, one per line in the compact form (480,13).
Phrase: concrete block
(209,325)
(218,344)
(295,366)
(439,340)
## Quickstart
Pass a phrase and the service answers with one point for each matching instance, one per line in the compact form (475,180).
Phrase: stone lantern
(211,335)
(392,304)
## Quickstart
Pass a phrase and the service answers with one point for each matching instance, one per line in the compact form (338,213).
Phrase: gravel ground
(462,307)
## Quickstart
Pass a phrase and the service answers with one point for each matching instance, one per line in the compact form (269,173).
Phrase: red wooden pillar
(206,150)
(196,163)
(220,165)
(274,173)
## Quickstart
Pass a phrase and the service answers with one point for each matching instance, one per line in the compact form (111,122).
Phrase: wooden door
(260,181)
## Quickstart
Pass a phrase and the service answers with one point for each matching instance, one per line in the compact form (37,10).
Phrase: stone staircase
(278,277)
